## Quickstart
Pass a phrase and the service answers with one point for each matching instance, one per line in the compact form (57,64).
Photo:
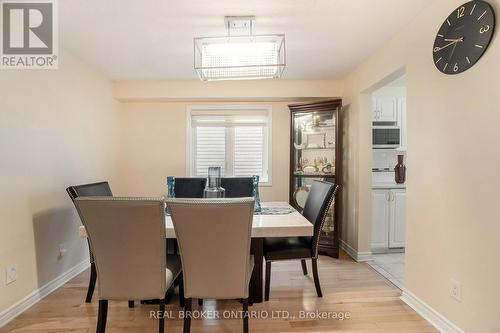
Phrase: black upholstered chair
(185,187)
(237,187)
(315,210)
(189,187)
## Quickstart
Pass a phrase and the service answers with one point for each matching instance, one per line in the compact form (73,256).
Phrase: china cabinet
(316,154)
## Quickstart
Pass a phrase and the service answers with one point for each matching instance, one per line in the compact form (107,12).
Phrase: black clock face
(464,37)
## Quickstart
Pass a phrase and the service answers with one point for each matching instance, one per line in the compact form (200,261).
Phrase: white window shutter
(238,140)
(209,149)
(248,151)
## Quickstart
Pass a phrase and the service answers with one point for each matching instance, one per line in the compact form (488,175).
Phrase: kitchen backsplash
(386,158)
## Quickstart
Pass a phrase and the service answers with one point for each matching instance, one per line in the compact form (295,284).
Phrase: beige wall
(153,126)
(452,189)
(250,90)
(153,146)
(57,128)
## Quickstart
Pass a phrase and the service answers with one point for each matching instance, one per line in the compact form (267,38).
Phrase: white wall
(452,188)
(57,128)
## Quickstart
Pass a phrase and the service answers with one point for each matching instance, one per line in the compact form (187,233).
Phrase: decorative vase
(400,171)
(213,188)
(256,196)
(171,186)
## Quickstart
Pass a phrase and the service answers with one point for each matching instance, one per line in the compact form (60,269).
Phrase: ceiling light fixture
(239,56)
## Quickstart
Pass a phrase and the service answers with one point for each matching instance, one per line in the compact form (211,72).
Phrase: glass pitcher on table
(213,188)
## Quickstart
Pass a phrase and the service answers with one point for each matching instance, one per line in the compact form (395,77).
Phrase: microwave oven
(386,137)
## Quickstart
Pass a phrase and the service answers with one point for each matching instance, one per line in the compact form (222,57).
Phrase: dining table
(277,219)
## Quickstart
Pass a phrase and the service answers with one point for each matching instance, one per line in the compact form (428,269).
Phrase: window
(236,138)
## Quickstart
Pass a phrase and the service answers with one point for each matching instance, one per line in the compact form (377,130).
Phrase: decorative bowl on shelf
(308,169)
(300,196)
(327,168)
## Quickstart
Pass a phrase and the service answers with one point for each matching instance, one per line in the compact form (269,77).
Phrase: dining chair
(215,265)
(184,187)
(94,189)
(315,210)
(127,237)
(237,187)
(188,187)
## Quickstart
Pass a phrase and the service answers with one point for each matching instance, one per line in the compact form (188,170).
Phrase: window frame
(245,109)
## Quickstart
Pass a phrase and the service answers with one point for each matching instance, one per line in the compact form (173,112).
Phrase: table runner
(269,210)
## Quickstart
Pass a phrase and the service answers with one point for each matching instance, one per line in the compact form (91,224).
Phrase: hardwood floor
(372,303)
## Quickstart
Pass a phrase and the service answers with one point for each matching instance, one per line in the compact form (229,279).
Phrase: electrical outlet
(456,290)
(10,274)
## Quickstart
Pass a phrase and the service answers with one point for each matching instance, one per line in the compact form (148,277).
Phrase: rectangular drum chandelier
(239,57)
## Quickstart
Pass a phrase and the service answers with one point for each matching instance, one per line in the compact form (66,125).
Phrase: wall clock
(464,37)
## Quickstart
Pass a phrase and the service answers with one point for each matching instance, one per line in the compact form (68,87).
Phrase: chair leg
(161,324)
(245,315)
(93,279)
(268,280)
(188,302)
(169,294)
(102,316)
(304,266)
(200,301)
(316,277)
(181,290)
(176,247)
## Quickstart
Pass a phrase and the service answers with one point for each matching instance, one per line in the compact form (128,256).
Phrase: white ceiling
(153,39)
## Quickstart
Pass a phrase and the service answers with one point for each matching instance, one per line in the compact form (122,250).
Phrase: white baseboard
(38,294)
(358,256)
(441,323)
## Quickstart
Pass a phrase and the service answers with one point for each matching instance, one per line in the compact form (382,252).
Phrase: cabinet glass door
(313,158)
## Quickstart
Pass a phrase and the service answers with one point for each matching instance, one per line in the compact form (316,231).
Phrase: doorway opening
(388,191)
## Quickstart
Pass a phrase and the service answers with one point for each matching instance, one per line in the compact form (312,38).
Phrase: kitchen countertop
(388,185)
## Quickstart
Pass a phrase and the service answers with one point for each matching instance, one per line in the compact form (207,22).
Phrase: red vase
(400,171)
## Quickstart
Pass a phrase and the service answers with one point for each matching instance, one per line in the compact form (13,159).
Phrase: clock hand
(447,45)
(461,39)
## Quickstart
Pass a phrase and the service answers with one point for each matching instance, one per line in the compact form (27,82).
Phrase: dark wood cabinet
(316,154)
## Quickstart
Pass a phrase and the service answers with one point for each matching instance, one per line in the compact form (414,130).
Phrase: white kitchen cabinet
(388,218)
(397,218)
(386,108)
(380,222)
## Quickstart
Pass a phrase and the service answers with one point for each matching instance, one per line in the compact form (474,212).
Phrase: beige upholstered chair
(214,241)
(127,237)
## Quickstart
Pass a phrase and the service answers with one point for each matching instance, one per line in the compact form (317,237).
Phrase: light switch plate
(10,274)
